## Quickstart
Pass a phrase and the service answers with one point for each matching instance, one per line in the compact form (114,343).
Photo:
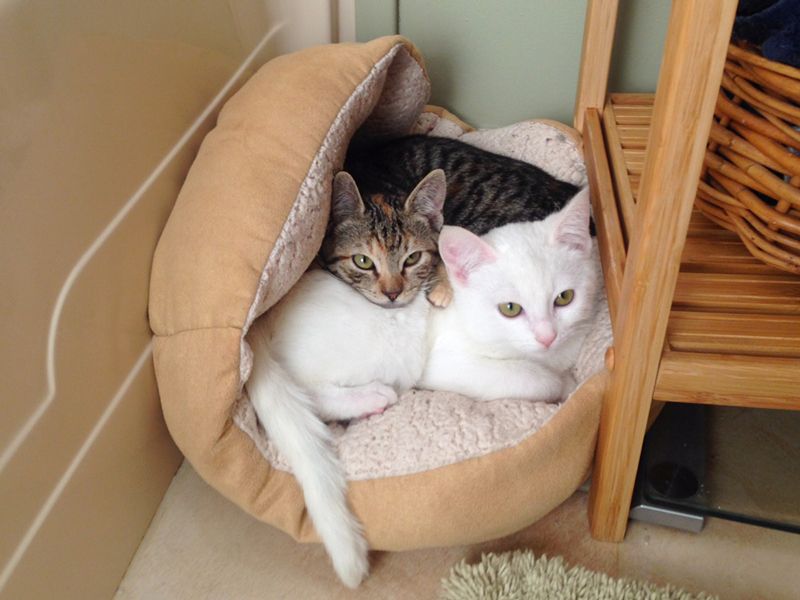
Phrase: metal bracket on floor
(641,510)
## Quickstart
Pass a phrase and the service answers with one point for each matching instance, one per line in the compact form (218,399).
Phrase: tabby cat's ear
(427,199)
(463,252)
(346,200)
(572,223)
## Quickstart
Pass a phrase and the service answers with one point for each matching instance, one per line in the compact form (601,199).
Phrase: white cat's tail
(286,412)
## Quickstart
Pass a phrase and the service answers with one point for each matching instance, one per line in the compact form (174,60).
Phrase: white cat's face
(522,289)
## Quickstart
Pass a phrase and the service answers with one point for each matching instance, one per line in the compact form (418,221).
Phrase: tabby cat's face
(384,246)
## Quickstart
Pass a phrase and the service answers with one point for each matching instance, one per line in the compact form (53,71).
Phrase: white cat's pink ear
(427,199)
(346,200)
(463,252)
(571,223)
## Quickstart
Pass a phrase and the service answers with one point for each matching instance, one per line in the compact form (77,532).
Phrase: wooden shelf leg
(598,41)
(691,71)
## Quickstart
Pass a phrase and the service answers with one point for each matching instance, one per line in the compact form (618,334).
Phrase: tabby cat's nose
(392,295)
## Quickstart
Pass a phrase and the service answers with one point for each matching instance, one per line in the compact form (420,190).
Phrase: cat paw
(391,396)
(441,295)
(375,398)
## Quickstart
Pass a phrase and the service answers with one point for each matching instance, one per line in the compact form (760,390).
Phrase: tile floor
(202,547)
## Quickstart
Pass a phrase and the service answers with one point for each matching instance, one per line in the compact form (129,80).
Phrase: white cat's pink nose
(544,333)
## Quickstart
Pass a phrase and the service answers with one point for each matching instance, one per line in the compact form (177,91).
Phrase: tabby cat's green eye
(509,309)
(412,259)
(565,297)
(363,261)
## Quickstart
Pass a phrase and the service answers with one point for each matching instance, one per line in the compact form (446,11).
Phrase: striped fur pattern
(484,190)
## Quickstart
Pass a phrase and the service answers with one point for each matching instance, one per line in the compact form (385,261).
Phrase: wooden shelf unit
(695,317)
(728,307)
(731,313)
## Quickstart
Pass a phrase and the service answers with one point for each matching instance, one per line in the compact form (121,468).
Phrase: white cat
(523,298)
(327,352)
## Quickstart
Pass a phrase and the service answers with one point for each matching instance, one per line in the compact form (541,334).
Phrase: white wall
(102,107)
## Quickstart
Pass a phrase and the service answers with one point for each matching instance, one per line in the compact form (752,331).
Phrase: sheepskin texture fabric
(426,430)
(245,226)
(520,575)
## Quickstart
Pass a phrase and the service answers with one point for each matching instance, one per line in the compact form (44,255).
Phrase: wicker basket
(751,177)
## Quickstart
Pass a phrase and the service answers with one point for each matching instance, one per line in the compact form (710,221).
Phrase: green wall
(497,62)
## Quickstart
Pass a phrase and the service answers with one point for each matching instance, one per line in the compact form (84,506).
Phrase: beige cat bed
(435,469)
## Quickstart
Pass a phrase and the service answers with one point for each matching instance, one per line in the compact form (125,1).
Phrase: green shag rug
(519,575)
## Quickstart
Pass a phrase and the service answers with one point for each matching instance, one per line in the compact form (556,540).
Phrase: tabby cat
(384,245)
(330,350)
(484,190)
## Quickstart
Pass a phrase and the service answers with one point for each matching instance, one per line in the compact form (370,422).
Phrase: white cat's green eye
(363,262)
(509,309)
(412,259)
(564,297)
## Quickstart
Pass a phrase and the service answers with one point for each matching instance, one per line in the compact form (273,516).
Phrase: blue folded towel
(772,25)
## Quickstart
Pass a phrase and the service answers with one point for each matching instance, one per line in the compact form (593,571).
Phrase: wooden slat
(636,180)
(691,71)
(632,99)
(634,169)
(762,294)
(598,41)
(604,210)
(702,226)
(633,115)
(619,171)
(633,132)
(729,380)
(637,118)
(633,136)
(720,255)
(634,155)
(730,333)
(623,102)
(634,166)
(711,248)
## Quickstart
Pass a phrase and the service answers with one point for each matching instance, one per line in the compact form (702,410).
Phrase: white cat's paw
(376,397)
(350,560)
(390,394)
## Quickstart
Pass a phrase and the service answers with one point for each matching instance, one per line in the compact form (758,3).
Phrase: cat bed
(435,469)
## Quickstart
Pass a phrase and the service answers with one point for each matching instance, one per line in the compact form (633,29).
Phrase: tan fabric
(226,245)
